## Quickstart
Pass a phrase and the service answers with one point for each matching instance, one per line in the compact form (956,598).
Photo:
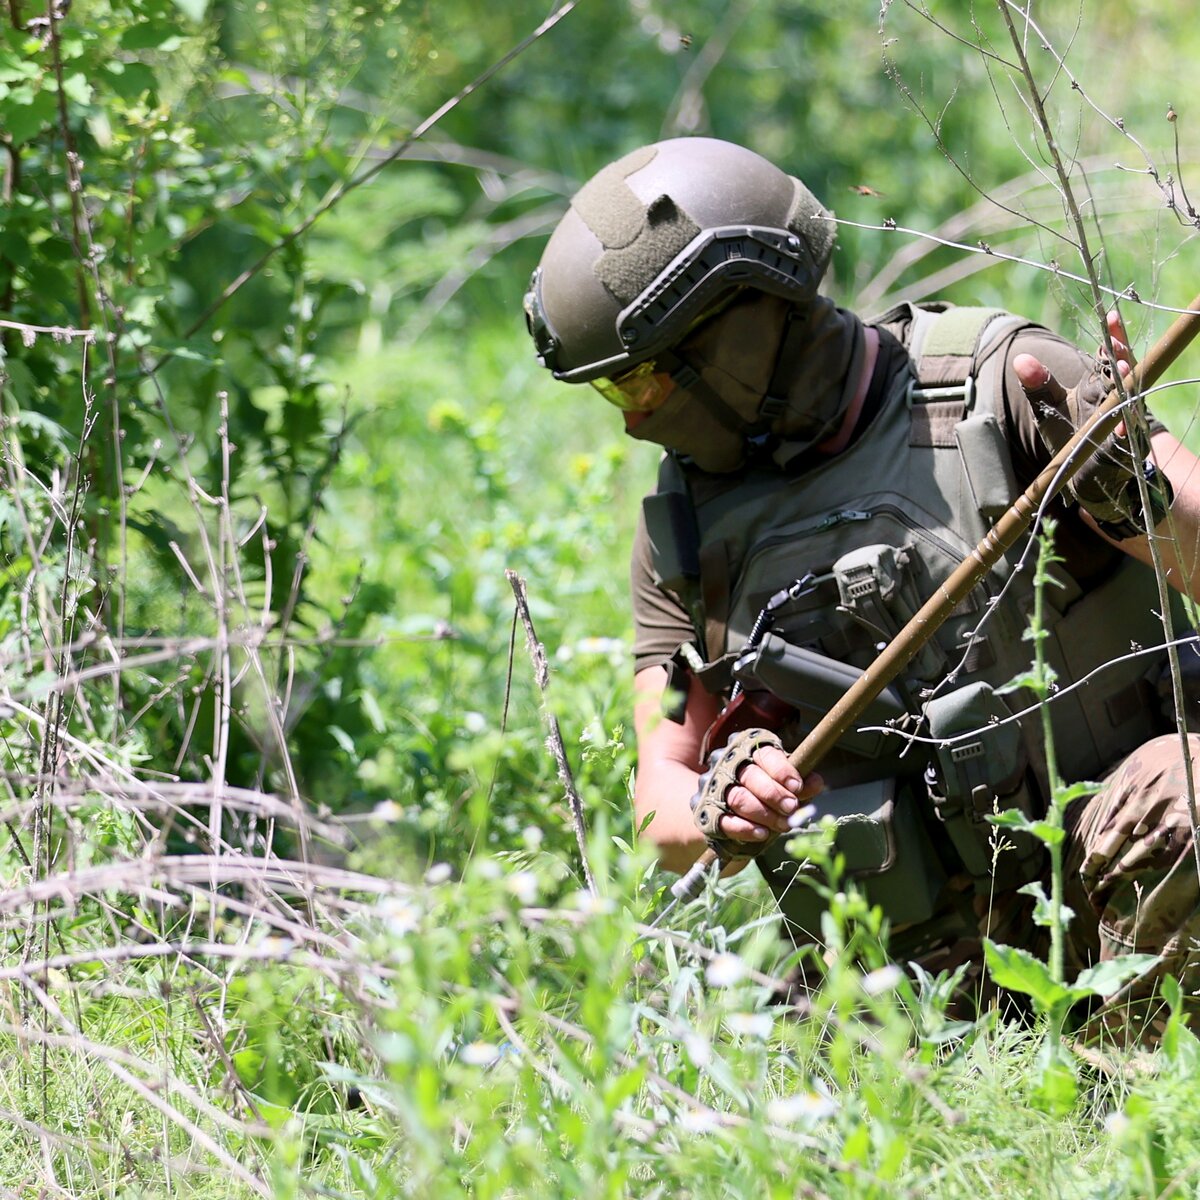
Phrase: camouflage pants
(1130,875)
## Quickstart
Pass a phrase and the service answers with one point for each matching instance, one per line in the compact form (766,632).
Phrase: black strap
(685,376)
(792,348)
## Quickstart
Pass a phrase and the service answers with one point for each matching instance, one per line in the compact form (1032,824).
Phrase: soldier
(822,475)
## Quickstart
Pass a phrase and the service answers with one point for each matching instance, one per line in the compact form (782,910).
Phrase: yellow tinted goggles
(640,389)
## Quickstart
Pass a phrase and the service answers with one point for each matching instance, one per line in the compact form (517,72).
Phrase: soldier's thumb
(1042,390)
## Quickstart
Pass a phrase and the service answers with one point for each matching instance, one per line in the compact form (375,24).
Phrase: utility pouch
(874,587)
(981,767)
(987,464)
(887,853)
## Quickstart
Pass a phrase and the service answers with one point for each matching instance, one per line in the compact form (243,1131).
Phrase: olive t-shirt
(661,623)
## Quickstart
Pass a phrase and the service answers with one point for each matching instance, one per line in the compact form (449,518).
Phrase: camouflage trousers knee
(1132,879)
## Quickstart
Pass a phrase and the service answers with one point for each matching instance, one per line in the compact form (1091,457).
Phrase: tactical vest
(872,532)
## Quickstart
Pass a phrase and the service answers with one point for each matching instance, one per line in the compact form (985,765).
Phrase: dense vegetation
(292,898)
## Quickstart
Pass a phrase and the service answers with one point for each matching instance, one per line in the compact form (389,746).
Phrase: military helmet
(658,239)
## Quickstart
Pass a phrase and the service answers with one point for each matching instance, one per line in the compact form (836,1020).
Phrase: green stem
(1054,814)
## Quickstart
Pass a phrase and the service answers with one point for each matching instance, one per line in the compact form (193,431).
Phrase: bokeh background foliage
(272,436)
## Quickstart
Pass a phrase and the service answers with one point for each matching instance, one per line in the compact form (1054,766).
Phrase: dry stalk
(541,675)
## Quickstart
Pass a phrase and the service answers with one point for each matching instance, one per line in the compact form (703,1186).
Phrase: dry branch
(541,675)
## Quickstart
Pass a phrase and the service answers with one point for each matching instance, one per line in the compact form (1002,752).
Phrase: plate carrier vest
(873,531)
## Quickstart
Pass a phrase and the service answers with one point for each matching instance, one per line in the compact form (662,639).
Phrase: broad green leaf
(13,68)
(130,80)
(1047,832)
(77,88)
(1011,818)
(151,35)
(20,383)
(1044,831)
(1019,971)
(1084,787)
(26,113)
(1107,977)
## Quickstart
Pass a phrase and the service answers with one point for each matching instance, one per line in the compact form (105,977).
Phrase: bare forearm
(668,762)
(663,794)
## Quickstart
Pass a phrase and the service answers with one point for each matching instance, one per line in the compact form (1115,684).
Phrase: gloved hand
(760,798)
(1105,484)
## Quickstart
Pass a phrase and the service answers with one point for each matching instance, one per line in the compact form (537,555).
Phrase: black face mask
(812,354)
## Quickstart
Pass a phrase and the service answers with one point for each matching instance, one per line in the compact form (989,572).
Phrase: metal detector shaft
(901,649)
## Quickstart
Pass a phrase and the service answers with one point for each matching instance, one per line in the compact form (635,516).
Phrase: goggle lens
(640,389)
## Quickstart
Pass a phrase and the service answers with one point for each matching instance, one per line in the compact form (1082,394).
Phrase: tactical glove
(1105,484)
(710,803)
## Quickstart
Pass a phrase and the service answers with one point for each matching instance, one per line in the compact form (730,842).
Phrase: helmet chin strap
(688,379)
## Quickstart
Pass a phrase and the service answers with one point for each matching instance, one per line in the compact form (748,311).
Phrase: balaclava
(806,358)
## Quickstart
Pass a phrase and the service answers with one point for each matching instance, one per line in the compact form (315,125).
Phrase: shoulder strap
(946,345)
(696,574)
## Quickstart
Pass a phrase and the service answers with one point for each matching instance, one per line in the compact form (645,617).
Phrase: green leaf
(1043,911)
(1050,834)
(130,80)
(194,10)
(248,1065)
(373,710)
(40,424)
(623,1087)
(26,113)
(1019,971)
(1027,679)
(151,35)
(343,739)
(1172,993)
(20,383)
(1074,791)
(1107,977)
(77,88)
(13,69)
(1011,818)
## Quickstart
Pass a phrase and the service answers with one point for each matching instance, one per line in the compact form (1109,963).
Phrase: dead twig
(541,674)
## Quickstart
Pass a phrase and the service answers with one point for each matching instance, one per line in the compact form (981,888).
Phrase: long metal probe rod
(900,650)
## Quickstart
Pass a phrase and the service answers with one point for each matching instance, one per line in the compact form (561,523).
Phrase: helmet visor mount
(715,264)
(544,341)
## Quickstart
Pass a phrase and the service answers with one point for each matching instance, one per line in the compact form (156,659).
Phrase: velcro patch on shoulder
(956,332)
